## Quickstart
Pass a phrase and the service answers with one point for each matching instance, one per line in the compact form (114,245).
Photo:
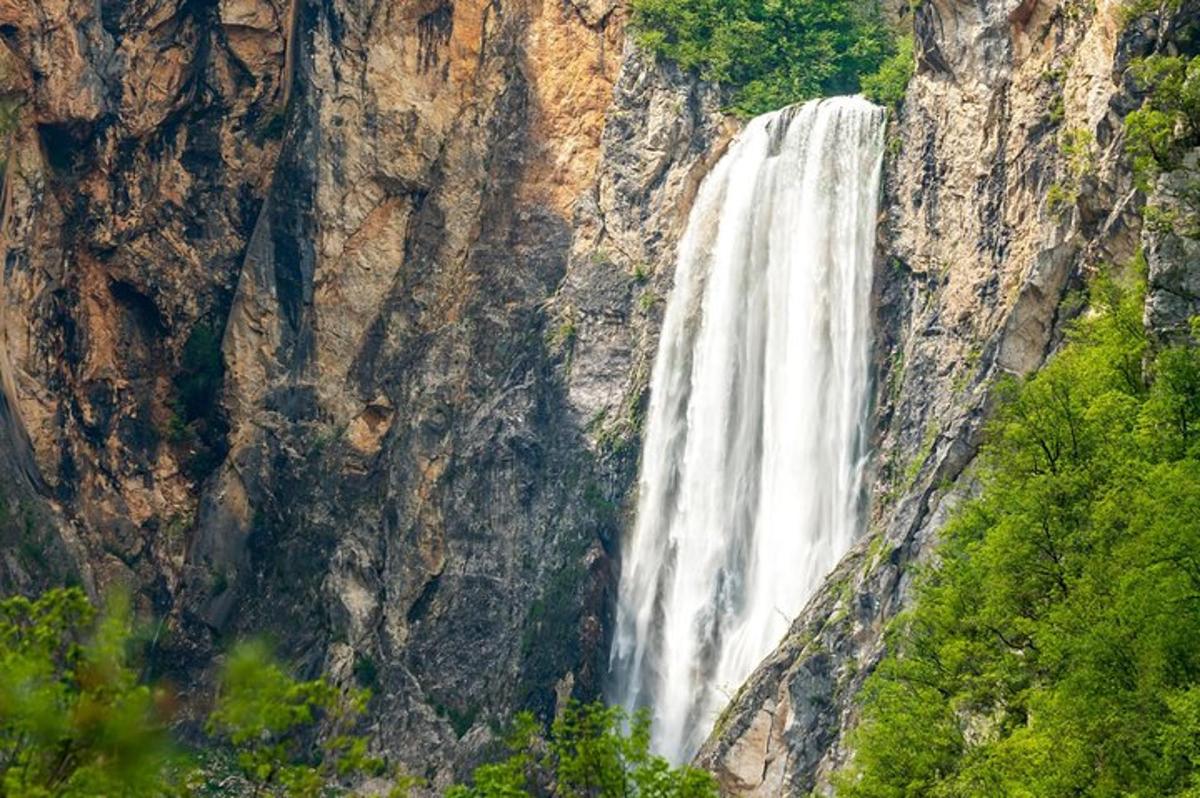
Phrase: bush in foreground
(77,719)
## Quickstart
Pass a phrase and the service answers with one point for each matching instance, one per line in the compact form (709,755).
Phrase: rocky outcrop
(332,321)
(134,173)
(1005,187)
(1172,250)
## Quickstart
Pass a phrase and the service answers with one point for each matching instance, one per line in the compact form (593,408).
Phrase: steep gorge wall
(1013,105)
(332,321)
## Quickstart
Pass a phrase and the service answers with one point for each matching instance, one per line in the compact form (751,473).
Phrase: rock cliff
(332,321)
(1006,187)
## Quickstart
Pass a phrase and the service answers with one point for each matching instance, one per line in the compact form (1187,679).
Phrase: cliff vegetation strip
(772,54)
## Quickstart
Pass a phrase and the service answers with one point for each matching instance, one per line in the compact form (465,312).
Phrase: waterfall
(752,466)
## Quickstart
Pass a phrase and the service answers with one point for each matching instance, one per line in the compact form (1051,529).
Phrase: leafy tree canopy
(587,754)
(1053,649)
(775,52)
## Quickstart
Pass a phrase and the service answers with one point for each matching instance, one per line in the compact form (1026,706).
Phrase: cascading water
(752,466)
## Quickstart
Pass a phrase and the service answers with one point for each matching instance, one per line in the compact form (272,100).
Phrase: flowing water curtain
(752,466)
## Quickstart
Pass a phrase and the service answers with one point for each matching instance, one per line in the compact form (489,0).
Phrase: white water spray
(752,466)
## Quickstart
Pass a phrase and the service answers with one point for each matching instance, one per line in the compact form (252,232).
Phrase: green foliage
(366,673)
(917,462)
(585,755)
(1053,650)
(1132,9)
(1078,151)
(78,719)
(269,718)
(887,85)
(562,337)
(202,370)
(1057,110)
(10,114)
(1077,146)
(1060,199)
(461,720)
(197,421)
(1168,122)
(772,53)
(1166,219)
(74,720)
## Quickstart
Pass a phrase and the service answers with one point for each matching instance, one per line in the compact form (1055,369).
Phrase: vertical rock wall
(332,321)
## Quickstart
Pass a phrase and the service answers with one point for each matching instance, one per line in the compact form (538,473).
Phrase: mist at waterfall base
(751,473)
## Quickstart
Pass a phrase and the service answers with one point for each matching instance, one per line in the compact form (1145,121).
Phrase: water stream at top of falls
(751,475)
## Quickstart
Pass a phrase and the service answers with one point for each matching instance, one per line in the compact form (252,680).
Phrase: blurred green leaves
(74,719)
(271,720)
(77,719)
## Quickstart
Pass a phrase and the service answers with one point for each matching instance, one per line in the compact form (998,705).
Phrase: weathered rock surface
(1172,251)
(974,266)
(333,321)
(134,175)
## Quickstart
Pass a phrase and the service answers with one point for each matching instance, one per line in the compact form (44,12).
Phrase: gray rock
(1172,253)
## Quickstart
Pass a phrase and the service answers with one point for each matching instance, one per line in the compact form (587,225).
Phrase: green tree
(1055,647)
(292,738)
(586,754)
(74,719)
(774,53)
(887,85)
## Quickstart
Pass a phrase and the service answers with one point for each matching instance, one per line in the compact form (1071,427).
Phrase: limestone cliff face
(135,172)
(332,320)
(1005,187)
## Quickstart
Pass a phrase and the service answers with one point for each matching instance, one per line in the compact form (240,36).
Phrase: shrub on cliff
(771,53)
(1168,121)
